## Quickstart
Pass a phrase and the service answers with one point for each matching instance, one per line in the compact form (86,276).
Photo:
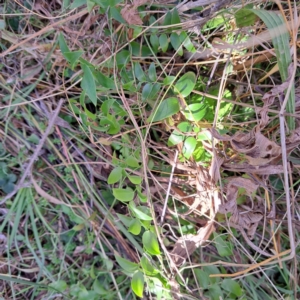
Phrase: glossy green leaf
(125,195)
(150,243)
(126,265)
(215,292)
(132,162)
(225,109)
(59,285)
(186,84)
(152,72)
(62,44)
(189,147)
(135,179)
(168,19)
(203,278)
(175,19)
(137,283)
(122,58)
(232,286)
(186,42)
(224,248)
(139,213)
(169,80)
(111,105)
(90,5)
(73,57)
(140,51)
(163,42)
(125,220)
(204,136)
(245,17)
(104,80)
(114,12)
(139,73)
(154,40)
(135,227)
(148,267)
(107,3)
(110,124)
(195,112)
(142,197)
(175,138)
(150,91)
(176,43)
(185,127)
(99,288)
(88,83)
(212,270)
(167,108)
(77,3)
(115,175)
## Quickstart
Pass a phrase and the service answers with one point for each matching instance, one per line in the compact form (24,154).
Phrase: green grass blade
(280,38)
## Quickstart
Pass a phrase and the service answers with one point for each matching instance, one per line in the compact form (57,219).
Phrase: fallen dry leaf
(138,3)
(186,245)
(131,15)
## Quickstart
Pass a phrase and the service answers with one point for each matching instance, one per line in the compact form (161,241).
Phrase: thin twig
(36,153)
(168,191)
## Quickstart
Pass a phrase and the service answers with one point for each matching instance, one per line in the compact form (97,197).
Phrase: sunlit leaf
(186,84)
(137,283)
(195,112)
(163,42)
(125,264)
(135,227)
(245,17)
(139,214)
(203,278)
(147,266)
(139,73)
(175,138)
(189,146)
(150,243)
(224,248)
(167,108)
(132,162)
(232,287)
(104,80)
(124,195)
(135,179)
(115,175)
(154,40)
(176,43)
(88,83)
(59,285)
(152,72)
(150,91)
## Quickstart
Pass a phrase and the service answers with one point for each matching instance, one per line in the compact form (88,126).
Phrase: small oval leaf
(137,283)
(125,264)
(167,108)
(195,112)
(135,227)
(186,84)
(115,175)
(189,147)
(124,195)
(150,243)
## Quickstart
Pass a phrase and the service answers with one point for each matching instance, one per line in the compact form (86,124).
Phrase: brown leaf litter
(254,155)
(130,14)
